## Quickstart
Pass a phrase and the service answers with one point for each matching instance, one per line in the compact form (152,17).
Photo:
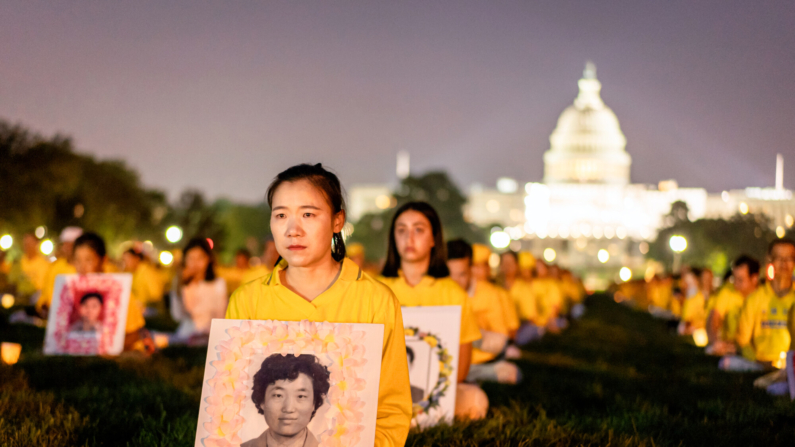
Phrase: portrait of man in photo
(90,311)
(287,391)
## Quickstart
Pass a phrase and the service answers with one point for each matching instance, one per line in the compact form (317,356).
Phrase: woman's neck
(310,281)
(276,440)
(413,272)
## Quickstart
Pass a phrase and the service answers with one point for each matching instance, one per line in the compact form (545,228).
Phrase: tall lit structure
(587,146)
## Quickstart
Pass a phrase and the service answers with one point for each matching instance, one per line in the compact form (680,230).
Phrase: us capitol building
(586,214)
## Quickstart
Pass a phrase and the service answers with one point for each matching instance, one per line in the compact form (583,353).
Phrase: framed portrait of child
(432,340)
(290,383)
(88,314)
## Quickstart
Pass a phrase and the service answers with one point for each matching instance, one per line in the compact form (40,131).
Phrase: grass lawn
(617,377)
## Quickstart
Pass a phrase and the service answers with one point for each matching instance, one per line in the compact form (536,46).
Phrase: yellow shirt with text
(763,323)
(354,297)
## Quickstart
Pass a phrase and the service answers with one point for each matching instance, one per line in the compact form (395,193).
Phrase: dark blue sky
(223,95)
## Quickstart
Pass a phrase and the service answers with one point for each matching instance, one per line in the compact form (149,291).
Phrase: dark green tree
(713,243)
(439,191)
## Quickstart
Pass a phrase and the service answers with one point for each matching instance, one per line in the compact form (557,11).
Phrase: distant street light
(174,234)
(678,244)
(47,247)
(500,239)
(6,241)
(549,254)
(625,274)
(603,256)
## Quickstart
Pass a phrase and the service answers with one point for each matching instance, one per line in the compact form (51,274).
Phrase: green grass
(617,377)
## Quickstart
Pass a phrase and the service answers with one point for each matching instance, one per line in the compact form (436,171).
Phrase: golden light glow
(174,234)
(678,243)
(494,260)
(789,220)
(500,239)
(780,232)
(47,247)
(7,301)
(643,247)
(166,258)
(40,232)
(771,272)
(603,256)
(549,254)
(6,241)
(700,337)
(9,352)
(743,208)
(492,206)
(383,202)
(625,274)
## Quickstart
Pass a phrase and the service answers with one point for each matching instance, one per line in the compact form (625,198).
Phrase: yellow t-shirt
(727,303)
(35,269)
(548,297)
(436,292)
(763,323)
(489,317)
(135,313)
(354,297)
(694,311)
(254,273)
(233,277)
(147,284)
(524,298)
(508,308)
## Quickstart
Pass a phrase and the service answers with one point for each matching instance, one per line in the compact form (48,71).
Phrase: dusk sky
(223,95)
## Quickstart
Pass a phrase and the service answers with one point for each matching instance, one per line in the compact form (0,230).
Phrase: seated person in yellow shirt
(524,298)
(481,271)
(61,266)
(234,274)
(723,309)
(89,257)
(763,335)
(315,282)
(487,352)
(34,264)
(416,271)
(147,284)
(694,314)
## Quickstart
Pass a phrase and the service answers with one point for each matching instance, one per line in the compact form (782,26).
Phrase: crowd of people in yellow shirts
(748,320)
(508,299)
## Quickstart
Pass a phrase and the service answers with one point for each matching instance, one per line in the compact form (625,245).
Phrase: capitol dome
(587,146)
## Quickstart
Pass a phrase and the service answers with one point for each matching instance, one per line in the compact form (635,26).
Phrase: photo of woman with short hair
(288,390)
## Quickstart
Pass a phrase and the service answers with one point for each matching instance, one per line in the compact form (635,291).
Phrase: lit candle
(10,352)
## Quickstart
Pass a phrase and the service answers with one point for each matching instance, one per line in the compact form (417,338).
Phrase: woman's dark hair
(90,295)
(327,183)
(287,367)
(135,253)
(200,242)
(438,265)
(92,241)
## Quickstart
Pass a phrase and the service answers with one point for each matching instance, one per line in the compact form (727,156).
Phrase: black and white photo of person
(417,393)
(287,391)
(90,311)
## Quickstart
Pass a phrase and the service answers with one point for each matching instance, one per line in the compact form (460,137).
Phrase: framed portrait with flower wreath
(303,383)
(432,335)
(88,314)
